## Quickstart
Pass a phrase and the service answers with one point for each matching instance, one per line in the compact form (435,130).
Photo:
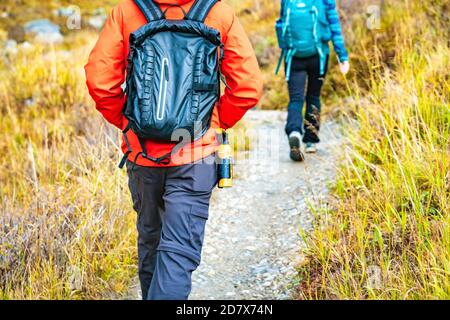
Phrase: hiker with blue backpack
(304,31)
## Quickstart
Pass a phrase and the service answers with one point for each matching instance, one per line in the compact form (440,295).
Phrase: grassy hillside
(67,227)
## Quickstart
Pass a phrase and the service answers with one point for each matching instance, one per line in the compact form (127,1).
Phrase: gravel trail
(252,236)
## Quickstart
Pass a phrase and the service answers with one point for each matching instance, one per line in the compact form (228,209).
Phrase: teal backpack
(303,31)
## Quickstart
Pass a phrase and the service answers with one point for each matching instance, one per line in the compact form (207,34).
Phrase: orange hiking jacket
(105,74)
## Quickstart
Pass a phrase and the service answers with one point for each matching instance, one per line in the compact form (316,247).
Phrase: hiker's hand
(345,67)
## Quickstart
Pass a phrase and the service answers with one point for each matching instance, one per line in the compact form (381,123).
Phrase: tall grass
(388,236)
(66,224)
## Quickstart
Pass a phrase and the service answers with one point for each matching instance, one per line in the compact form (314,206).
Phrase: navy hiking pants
(172,205)
(305,74)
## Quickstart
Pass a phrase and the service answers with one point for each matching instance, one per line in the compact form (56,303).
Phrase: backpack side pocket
(325,30)
(279,27)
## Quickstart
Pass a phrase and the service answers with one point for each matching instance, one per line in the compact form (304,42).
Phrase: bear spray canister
(224,161)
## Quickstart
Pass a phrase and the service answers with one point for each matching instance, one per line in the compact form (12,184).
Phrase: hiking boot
(295,139)
(311,147)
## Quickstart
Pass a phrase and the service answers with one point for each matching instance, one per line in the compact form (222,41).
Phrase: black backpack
(173,77)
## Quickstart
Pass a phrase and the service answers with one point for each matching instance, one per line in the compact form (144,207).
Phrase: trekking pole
(225,161)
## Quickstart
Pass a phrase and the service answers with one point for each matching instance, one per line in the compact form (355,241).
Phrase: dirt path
(252,239)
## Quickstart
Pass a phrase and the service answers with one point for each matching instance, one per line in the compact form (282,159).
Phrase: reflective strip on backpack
(162,96)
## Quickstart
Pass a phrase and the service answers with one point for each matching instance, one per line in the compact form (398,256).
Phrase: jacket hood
(179,2)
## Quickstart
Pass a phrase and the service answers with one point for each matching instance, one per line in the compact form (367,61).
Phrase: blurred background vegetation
(390,208)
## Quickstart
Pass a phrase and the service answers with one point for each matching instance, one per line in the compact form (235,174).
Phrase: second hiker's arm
(105,70)
(242,74)
(336,30)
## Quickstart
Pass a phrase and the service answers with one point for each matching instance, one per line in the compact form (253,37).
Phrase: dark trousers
(305,72)
(172,206)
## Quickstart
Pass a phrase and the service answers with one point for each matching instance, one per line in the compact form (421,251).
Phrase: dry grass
(388,236)
(67,227)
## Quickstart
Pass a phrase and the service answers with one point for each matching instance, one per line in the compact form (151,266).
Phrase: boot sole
(296,154)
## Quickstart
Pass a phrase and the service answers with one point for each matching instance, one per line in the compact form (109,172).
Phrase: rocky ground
(252,238)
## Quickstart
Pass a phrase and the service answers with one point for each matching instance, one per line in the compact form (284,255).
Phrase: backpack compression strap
(150,10)
(200,9)
(164,160)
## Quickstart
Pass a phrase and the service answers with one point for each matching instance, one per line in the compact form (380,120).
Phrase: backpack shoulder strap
(200,10)
(284,8)
(150,10)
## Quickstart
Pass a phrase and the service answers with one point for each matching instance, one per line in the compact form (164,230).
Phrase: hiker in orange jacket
(171,199)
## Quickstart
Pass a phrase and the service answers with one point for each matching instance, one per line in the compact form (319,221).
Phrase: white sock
(295,134)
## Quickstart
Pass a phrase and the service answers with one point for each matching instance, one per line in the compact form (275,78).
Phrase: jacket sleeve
(105,70)
(242,75)
(336,30)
